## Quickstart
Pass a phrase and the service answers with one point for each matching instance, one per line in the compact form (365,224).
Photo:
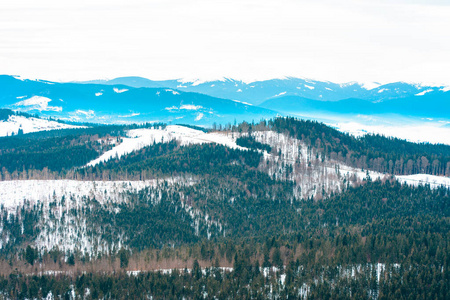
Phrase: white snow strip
(382,90)
(38,103)
(199,116)
(445,88)
(116,90)
(14,123)
(328,89)
(130,115)
(239,91)
(191,107)
(246,103)
(280,94)
(185,107)
(98,94)
(172,91)
(422,179)
(309,87)
(424,92)
(140,138)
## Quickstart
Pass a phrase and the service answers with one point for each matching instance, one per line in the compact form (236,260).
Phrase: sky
(349,40)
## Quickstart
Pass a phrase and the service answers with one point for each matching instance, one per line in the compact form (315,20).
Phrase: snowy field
(417,179)
(140,138)
(14,123)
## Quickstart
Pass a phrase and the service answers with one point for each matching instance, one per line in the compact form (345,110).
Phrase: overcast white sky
(347,40)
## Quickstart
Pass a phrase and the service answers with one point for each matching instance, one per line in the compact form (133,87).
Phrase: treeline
(245,281)
(6,113)
(55,153)
(374,152)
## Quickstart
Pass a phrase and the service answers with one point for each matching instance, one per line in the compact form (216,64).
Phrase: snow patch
(423,179)
(246,103)
(118,91)
(382,90)
(280,94)
(191,107)
(38,103)
(98,94)
(309,87)
(199,117)
(89,114)
(370,85)
(185,107)
(130,115)
(172,91)
(424,92)
(14,123)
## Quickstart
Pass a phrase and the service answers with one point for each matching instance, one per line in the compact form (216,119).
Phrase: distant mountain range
(260,91)
(119,103)
(136,99)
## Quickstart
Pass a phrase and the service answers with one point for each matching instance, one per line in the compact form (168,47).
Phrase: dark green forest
(233,230)
(406,229)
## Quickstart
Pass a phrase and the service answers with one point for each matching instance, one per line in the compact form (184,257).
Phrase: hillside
(269,208)
(122,104)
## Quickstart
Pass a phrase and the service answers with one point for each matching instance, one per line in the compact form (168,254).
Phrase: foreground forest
(227,222)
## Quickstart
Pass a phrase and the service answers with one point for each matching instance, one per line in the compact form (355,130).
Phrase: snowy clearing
(118,91)
(140,138)
(14,123)
(422,179)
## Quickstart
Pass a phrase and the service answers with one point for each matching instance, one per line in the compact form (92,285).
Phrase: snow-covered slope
(13,193)
(29,124)
(64,207)
(422,179)
(140,138)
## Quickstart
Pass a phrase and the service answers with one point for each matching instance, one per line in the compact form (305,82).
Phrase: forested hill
(375,152)
(284,208)
(62,150)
